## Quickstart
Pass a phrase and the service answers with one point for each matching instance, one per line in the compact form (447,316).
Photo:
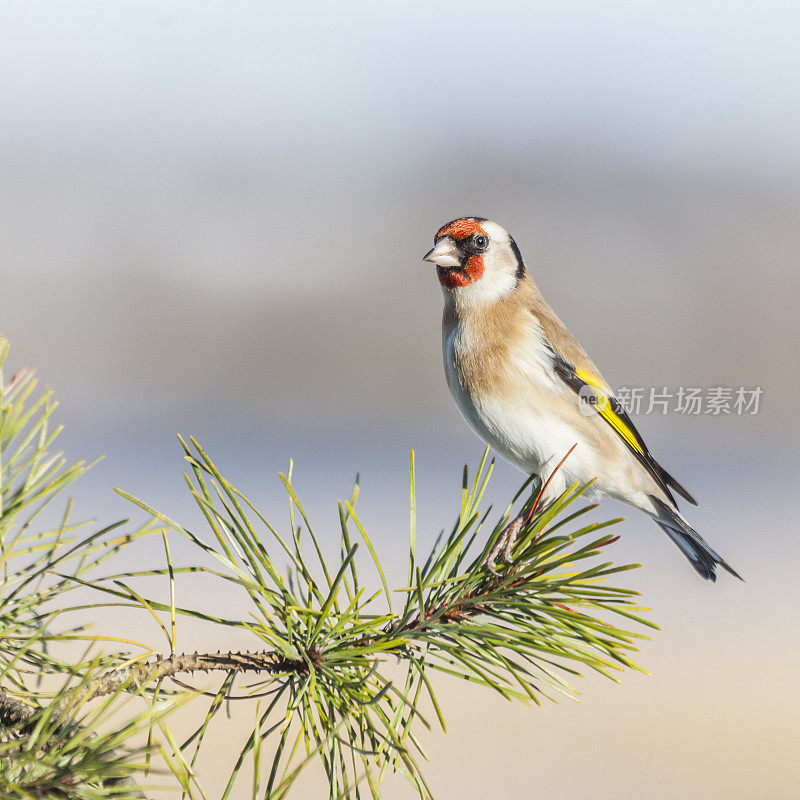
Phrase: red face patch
(460,228)
(453,277)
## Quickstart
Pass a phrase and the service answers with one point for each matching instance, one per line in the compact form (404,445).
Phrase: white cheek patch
(489,288)
(499,278)
(500,271)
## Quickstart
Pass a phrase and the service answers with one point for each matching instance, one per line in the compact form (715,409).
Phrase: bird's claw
(504,546)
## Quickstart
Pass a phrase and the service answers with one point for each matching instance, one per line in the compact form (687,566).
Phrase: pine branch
(320,637)
(460,608)
(134,678)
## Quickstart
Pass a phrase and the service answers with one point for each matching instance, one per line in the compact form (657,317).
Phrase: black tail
(691,543)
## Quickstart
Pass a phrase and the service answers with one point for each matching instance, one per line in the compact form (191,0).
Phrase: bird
(529,390)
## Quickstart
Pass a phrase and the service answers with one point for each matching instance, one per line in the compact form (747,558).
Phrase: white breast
(527,426)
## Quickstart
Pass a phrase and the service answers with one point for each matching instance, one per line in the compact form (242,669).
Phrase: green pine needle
(325,635)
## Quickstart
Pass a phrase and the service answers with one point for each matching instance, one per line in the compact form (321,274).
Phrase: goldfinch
(527,388)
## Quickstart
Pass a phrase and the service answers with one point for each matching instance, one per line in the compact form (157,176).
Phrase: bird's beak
(444,254)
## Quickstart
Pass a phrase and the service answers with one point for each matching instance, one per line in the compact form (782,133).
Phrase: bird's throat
(456,277)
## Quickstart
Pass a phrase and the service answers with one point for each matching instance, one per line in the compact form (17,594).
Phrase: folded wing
(583,382)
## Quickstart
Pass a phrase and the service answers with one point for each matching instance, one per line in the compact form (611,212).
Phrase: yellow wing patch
(606,410)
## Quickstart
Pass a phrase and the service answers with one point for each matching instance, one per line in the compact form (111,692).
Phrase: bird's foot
(504,545)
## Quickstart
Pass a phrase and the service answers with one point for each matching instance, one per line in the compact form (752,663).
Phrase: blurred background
(213,219)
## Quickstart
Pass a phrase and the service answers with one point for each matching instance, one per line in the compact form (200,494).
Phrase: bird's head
(476,257)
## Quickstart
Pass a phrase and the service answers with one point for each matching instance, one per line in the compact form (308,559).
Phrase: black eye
(480,242)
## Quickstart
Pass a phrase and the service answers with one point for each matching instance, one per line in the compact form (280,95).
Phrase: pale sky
(668,81)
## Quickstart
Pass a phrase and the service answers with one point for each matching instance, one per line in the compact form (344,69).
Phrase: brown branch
(456,609)
(453,610)
(14,712)
(142,674)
